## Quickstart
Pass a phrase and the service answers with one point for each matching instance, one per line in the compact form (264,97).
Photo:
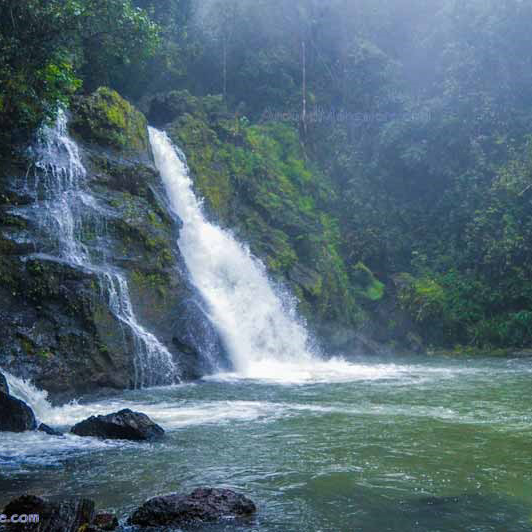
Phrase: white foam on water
(169,414)
(31,395)
(39,449)
(175,416)
(336,370)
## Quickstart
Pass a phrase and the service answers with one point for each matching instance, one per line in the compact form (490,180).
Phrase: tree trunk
(304,95)
(224,61)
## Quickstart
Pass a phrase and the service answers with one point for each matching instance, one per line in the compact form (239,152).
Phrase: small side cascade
(63,206)
(57,181)
(154,363)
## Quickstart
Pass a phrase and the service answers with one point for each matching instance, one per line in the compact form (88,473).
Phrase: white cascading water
(25,391)
(260,328)
(59,180)
(60,183)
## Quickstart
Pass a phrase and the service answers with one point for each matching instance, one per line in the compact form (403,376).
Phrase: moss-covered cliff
(256,180)
(56,325)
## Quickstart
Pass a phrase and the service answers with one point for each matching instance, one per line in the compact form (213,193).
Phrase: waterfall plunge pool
(408,444)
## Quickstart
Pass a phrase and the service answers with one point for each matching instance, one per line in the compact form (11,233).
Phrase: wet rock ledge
(17,416)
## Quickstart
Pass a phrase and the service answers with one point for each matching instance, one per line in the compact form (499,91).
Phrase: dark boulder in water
(66,516)
(123,425)
(15,415)
(4,388)
(202,505)
(49,430)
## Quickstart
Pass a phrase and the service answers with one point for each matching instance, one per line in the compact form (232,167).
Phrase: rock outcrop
(15,415)
(123,425)
(49,430)
(202,505)
(57,327)
(105,521)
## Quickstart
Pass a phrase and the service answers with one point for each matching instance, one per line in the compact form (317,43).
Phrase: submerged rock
(4,388)
(49,430)
(15,415)
(123,425)
(66,516)
(105,521)
(203,504)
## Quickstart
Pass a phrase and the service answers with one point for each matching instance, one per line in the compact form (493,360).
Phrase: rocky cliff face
(58,325)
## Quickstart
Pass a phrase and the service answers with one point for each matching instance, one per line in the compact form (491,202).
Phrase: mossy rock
(106,119)
(366,283)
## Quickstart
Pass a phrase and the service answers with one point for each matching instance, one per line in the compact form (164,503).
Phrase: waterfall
(63,203)
(58,181)
(154,365)
(258,324)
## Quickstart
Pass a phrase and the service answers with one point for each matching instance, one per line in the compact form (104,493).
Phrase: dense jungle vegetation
(397,131)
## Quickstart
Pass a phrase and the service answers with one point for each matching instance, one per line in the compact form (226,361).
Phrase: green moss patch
(107,119)
(367,285)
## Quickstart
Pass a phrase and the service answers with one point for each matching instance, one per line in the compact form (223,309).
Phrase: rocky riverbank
(169,512)
(78,514)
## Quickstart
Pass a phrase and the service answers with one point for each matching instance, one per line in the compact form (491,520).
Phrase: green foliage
(170,66)
(367,285)
(116,38)
(467,310)
(414,155)
(425,299)
(48,47)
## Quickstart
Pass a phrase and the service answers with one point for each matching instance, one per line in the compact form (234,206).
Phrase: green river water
(402,444)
